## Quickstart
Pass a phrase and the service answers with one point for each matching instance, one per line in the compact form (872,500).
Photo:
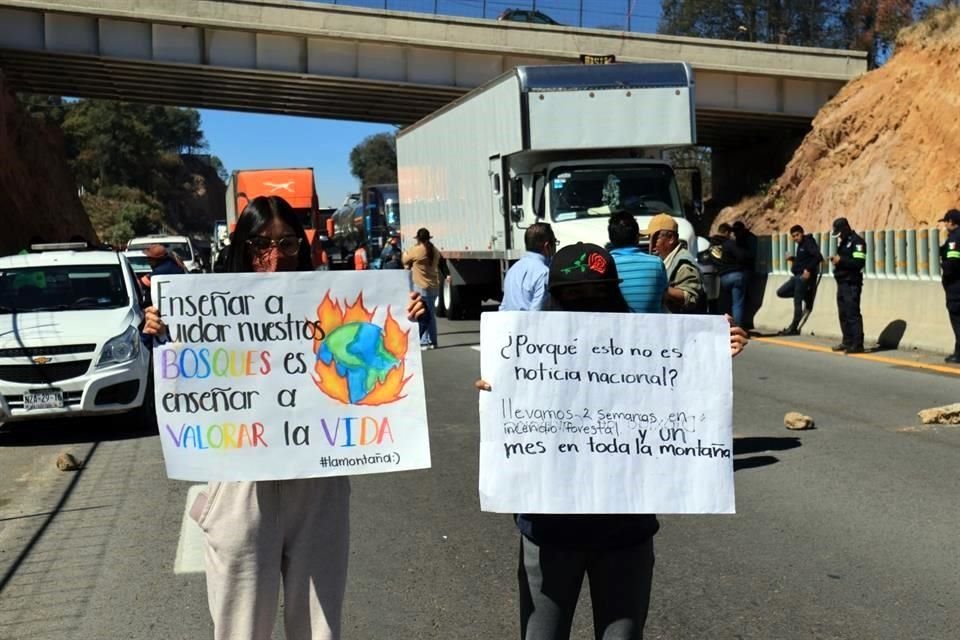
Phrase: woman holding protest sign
(261,535)
(613,551)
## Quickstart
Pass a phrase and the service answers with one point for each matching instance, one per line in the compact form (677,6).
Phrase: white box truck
(564,144)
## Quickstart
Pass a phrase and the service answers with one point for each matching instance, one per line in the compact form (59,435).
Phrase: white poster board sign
(605,413)
(272,376)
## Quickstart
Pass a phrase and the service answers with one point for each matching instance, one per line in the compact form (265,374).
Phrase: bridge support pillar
(742,171)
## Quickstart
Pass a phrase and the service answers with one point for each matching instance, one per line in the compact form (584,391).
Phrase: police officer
(848,273)
(950,277)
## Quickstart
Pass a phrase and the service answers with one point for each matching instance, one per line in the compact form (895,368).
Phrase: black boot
(953,359)
(839,347)
(857,348)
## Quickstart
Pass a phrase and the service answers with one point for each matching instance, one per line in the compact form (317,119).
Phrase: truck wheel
(453,300)
(471,303)
(462,302)
(442,300)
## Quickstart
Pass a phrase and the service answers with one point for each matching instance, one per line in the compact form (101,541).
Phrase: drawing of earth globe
(360,356)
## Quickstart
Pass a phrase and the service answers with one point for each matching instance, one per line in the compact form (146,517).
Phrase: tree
(221,170)
(873,26)
(121,213)
(866,25)
(797,22)
(374,160)
(111,143)
(132,163)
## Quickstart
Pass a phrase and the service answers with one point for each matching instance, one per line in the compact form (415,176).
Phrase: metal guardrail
(911,254)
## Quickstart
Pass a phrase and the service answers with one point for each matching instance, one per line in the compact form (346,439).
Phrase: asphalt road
(846,531)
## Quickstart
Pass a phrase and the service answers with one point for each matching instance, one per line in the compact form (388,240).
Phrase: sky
(260,141)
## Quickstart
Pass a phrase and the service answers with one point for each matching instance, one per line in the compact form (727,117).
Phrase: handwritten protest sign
(272,376)
(605,413)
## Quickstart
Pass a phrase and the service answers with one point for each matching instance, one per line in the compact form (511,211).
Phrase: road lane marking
(861,356)
(190,546)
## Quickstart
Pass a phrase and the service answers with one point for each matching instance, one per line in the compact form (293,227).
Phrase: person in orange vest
(360,258)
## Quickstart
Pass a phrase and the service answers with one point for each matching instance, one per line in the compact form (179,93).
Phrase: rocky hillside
(38,196)
(884,152)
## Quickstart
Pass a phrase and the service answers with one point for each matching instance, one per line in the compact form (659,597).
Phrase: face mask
(273,261)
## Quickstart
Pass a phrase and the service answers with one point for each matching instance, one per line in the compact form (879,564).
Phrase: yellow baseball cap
(661,222)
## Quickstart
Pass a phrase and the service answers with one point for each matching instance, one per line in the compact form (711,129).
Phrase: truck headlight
(123,348)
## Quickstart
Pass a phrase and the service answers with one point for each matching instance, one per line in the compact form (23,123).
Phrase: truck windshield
(59,288)
(391,213)
(590,191)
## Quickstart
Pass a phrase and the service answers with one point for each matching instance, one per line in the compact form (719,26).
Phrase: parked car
(178,245)
(526,15)
(70,342)
(138,262)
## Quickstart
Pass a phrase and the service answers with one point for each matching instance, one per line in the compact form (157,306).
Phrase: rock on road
(844,531)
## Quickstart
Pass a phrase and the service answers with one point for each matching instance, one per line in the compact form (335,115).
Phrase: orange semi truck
(296,186)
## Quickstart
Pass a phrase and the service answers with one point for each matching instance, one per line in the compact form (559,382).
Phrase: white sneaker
(426,347)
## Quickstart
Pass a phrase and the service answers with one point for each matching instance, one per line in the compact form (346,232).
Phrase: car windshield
(59,288)
(182,249)
(139,263)
(590,191)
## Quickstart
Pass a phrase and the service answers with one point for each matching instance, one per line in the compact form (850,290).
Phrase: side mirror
(696,188)
(516,200)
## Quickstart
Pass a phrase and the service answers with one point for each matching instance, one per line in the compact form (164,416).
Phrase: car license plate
(47,399)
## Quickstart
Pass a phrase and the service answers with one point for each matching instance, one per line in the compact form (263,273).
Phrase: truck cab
(577,197)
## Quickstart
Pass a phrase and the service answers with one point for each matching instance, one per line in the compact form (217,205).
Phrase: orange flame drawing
(389,386)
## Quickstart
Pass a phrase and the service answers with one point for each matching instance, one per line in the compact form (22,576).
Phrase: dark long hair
(256,215)
(611,300)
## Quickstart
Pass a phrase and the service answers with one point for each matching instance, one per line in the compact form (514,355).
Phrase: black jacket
(808,257)
(748,244)
(168,267)
(597,532)
(852,252)
(733,257)
(950,265)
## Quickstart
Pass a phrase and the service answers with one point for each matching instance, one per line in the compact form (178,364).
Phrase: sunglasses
(287,245)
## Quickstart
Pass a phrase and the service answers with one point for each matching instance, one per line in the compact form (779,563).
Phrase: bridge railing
(900,254)
(621,15)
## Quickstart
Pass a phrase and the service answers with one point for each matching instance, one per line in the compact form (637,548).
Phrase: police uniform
(848,274)
(950,277)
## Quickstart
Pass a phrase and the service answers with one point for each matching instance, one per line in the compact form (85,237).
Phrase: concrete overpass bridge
(331,61)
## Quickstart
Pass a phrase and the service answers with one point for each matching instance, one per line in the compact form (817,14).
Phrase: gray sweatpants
(550,581)
(263,534)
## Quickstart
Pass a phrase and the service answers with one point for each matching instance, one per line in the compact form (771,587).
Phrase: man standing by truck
(525,285)
(391,256)
(643,277)
(848,273)
(801,286)
(685,291)
(950,277)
